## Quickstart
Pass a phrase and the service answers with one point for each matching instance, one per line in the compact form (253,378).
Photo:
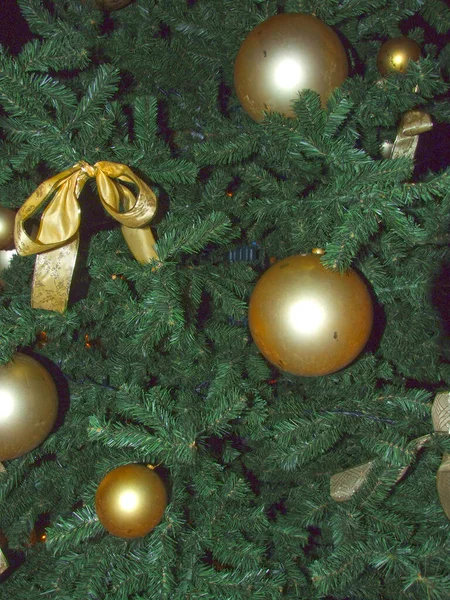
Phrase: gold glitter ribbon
(413,123)
(345,484)
(56,242)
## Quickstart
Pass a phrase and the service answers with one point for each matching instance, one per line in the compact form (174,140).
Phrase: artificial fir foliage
(154,363)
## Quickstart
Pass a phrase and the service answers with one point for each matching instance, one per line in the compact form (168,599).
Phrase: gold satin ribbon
(56,242)
(413,123)
(3,563)
(345,484)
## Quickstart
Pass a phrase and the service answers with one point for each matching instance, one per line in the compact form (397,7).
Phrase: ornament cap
(320,251)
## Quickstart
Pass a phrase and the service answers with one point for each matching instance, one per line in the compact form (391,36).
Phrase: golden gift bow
(345,484)
(57,240)
(413,123)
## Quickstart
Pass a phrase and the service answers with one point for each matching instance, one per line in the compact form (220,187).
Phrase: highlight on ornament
(28,406)
(131,500)
(283,56)
(308,320)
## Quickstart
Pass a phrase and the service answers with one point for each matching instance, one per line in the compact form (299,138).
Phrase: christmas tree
(279,483)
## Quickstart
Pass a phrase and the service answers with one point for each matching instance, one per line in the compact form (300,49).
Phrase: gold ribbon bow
(57,240)
(345,484)
(413,123)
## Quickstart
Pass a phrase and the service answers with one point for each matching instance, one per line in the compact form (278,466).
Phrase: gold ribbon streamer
(440,414)
(3,563)
(56,242)
(345,484)
(413,123)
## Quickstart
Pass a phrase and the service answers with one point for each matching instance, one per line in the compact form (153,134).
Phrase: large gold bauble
(28,406)
(286,54)
(395,54)
(130,501)
(308,320)
(7,220)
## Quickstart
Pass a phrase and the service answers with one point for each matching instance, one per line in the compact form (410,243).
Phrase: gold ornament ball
(309,320)
(286,54)
(395,54)
(28,406)
(7,220)
(130,501)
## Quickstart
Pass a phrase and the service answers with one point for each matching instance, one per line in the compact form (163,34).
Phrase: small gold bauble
(395,54)
(286,54)
(130,501)
(28,406)
(308,320)
(7,220)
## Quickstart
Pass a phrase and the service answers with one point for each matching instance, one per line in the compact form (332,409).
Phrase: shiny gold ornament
(56,242)
(308,320)
(7,218)
(28,406)
(130,501)
(395,54)
(286,54)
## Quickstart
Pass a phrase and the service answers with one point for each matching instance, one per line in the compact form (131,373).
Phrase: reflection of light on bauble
(308,320)
(5,258)
(307,316)
(6,404)
(128,501)
(283,56)
(288,74)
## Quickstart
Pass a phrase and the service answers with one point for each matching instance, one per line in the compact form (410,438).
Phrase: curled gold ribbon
(345,484)
(413,123)
(56,242)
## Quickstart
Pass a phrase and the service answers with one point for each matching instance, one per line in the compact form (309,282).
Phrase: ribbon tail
(141,243)
(3,563)
(345,484)
(443,484)
(53,275)
(414,123)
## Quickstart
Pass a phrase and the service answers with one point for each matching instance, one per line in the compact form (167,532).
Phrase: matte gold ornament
(7,219)
(130,501)
(395,54)
(28,406)
(309,320)
(286,54)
